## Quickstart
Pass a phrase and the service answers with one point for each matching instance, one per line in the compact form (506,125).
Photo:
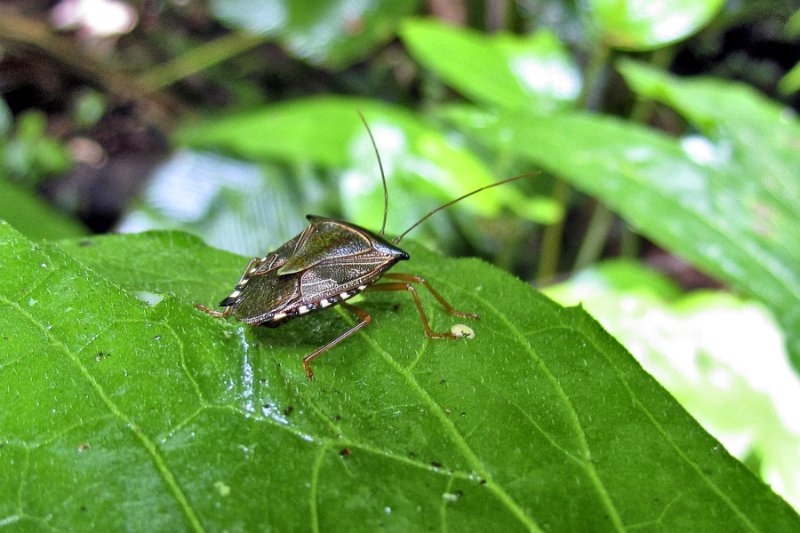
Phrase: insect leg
(410,278)
(216,314)
(364,319)
(402,286)
(249,270)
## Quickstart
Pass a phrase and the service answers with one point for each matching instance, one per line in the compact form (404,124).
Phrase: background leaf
(423,168)
(632,25)
(500,70)
(726,203)
(132,407)
(335,33)
(33,217)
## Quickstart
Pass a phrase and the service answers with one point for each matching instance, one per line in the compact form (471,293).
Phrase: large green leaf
(125,407)
(501,70)
(727,204)
(634,25)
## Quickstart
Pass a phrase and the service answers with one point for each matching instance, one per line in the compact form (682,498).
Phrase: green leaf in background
(635,25)
(728,205)
(790,83)
(133,409)
(334,33)
(701,348)
(33,217)
(500,70)
(754,158)
(756,139)
(30,154)
(423,169)
(234,205)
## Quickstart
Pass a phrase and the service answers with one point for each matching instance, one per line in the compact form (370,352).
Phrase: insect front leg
(364,319)
(408,287)
(411,278)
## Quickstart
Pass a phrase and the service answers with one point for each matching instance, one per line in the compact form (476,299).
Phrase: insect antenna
(383,176)
(451,202)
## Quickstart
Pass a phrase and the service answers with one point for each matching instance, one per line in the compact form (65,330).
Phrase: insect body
(329,262)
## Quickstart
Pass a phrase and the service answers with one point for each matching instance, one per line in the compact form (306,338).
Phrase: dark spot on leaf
(84,244)
(288,410)
(436,464)
(412,455)
(463,413)
(442,381)
(83,508)
(344,452)
(84,446)
(482,482)
(337,417)
(157,338)
(99,356)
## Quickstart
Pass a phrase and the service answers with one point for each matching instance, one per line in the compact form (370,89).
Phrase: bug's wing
(265,295)
(325,239)
(333,277)
(278,258)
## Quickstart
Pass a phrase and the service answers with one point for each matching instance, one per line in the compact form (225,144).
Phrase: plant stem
(596,235)
(198,58)
(551,238)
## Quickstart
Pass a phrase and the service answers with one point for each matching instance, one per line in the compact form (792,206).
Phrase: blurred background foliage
(665,133)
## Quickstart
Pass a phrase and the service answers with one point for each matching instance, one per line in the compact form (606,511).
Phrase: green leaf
(33,217)
(700,347)
(752,178)
(335,33)
(501,70)
(423,169)
(729,204)
(132,407)
(632,25)
(790,83)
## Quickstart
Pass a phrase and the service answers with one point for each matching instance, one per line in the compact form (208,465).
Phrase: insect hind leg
(216,314)
(364,320)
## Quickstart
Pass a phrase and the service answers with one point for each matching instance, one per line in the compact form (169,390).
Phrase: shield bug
(327,263)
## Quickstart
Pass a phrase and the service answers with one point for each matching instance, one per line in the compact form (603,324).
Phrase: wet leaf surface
(125,407)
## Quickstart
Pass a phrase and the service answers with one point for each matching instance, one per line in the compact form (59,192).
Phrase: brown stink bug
(329,262)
